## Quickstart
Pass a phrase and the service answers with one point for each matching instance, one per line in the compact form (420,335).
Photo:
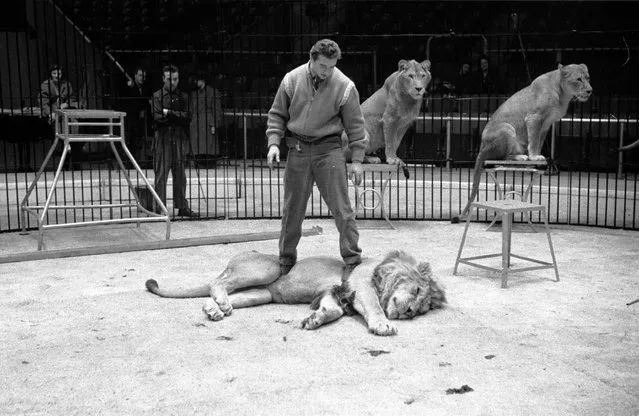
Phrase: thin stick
(149,245)
(633,302)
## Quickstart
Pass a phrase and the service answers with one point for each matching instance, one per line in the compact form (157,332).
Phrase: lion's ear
(563,71)
(402,65)
(585,68)
(424,269)
(426,65)
(379,275)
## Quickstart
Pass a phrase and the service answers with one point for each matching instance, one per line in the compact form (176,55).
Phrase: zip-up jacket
(301,109)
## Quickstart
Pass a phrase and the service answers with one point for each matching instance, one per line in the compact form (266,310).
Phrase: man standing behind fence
(171,144)
(207,118)
(314,103)
(56,92)
(136,101)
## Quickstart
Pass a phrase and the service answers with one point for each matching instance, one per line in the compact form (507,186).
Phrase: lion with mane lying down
(395,287)
(517,129)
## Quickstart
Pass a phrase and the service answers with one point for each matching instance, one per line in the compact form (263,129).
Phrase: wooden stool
(507,207)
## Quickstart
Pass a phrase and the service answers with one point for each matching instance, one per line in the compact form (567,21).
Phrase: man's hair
(170,68)
(326,47)
(55,67)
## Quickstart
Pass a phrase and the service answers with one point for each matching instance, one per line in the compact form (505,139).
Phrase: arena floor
(82,336)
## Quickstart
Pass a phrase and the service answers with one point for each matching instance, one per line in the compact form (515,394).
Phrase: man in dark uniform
(172,117)
(136,103)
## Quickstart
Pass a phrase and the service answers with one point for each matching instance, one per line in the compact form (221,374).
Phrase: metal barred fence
(242,49)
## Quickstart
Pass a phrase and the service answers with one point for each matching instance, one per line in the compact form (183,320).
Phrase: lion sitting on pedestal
(395,287)
(391,109)
(517,129)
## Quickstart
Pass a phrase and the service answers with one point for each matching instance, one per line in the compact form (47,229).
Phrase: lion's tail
(479,165)
(630,146)
(192,292)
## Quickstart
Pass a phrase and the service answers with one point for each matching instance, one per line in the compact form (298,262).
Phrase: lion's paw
(212,310)
(521,157)
(536,157)
(313,321)
(372,159)
(221,298)
(394,161)
(383,328)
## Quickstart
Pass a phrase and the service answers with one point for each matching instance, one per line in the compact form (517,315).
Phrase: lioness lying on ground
(391,109)
(396,287)
(517,130)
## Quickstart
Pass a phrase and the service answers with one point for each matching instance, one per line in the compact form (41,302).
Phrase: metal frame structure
(68,124)
(360,203)
(531,167)
(506,208)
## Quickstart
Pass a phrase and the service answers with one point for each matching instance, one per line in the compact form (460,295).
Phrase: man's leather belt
(310,139)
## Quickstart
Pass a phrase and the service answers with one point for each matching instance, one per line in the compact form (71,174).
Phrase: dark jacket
(136,98)
(54,93)
(489,84)
(176,123)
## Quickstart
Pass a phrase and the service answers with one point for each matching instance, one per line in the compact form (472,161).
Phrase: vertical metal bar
(506,233)
(8,61)
(461,245)
(552,251)
(552,142)
(620,153)
(5,144)
(634,204)
(448,141)
(6,181)
(374,70)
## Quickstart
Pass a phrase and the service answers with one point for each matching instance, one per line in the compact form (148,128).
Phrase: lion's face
(405,287)
(575,80)
(414,77)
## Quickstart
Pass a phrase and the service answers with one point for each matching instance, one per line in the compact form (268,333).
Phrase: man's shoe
(285,268)
(186,212)
(348,269)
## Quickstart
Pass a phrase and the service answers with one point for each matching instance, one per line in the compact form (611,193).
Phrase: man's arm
(183,114)
(353,121)
(218,111)
(278,115)
(158,114)
(71,98)
(45,98)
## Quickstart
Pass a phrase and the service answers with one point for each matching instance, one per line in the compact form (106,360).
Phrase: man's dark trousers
(321,162)
(169,153)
